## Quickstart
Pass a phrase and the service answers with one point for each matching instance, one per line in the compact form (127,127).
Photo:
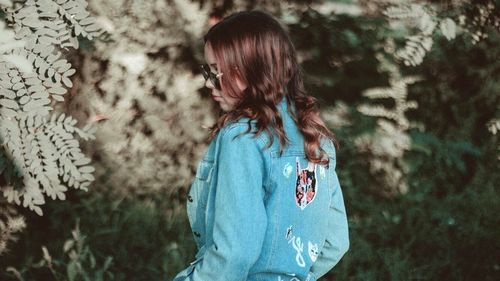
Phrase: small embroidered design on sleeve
(322,172)
(299,248)
(312,250)
(305,188)
(297,245)
(287,170)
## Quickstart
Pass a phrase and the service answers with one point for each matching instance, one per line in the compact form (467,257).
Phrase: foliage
(421,18)
(431,233)
(144,89)
(80,266)
(11,224)
(39,152)
(385,148)
(146,240)
(481,18)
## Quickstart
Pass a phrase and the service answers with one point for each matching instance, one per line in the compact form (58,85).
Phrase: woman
(266,202)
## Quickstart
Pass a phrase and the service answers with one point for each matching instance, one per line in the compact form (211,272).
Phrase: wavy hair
(254,47)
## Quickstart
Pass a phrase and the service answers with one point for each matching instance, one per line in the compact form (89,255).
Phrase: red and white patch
(306,186)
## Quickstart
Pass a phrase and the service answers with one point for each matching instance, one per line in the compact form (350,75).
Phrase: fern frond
(421,19)
(40,154)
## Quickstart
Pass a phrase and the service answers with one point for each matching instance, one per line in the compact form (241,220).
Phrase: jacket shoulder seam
(233,126)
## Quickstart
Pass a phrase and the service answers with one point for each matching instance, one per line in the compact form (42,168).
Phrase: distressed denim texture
(257,214)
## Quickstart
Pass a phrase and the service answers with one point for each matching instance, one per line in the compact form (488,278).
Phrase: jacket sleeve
(337,240)
(240,217)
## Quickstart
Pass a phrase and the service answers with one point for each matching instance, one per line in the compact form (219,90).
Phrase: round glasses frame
(208,74)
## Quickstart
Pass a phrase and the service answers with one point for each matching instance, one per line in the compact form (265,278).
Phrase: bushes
(147,240)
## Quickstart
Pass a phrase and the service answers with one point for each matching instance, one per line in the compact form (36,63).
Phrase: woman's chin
(224,106)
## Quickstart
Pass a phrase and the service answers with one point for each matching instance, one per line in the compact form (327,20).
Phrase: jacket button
(190,199)
(197,234)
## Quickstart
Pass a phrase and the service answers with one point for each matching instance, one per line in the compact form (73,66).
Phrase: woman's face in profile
(226,102)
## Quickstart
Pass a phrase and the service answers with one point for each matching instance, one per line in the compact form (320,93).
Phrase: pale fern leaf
(448,28)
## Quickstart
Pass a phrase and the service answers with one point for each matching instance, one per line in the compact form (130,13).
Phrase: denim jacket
(259,215)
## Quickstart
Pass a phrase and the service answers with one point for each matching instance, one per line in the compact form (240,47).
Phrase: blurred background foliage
(410,88)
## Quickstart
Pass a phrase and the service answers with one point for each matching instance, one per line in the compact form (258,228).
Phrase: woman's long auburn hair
(254,47)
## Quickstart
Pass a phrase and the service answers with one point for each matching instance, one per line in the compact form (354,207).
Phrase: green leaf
(61,118)
(82,161)
(24,99)
(58,98)
(92,27)
(82,14)
(59,63)
(34,104)
(36,88)
(32,81)
(7,112)
(8,93)
(17,86)
(66,81)
(9,103)
(57,90)
(32,22)
(64,68)
(88,177)
(87,21)
(50,72)
(69,72)
(72,271)
(40,95)
(68,245)
(37,210)
(52,58)
(61,195)
(45,40)
(15,79)
(86,169)
(21,92)
(78,30)
(448,28)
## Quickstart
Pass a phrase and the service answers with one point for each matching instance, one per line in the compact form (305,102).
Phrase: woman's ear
(239,82)
(241,85)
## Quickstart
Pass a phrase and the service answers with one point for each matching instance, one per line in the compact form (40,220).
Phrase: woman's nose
(209,84)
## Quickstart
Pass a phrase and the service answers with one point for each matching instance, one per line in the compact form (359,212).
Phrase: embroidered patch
(299,248)
(322,172)
(287,170)
(305,189)
(312,250)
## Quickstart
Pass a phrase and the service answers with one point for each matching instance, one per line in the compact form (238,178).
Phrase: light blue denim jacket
(259,215)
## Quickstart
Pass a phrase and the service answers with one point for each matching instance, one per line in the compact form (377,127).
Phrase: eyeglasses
(214,77)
